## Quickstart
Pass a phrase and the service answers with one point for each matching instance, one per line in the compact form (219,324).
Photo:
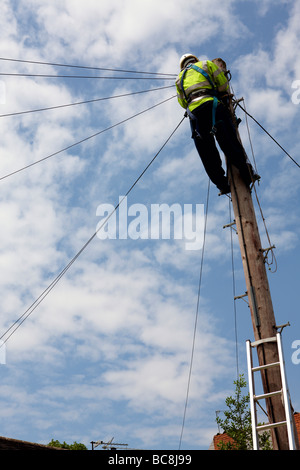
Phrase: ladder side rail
(287,405)
(251,395)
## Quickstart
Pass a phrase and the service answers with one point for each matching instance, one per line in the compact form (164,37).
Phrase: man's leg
(206,147)
(227,139)
(211,160)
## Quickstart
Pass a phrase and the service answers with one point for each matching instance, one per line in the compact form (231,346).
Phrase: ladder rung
(266,366)
(254,344)
(267,395)
(271,425)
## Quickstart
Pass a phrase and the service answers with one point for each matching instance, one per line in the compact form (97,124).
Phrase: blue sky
(107,352)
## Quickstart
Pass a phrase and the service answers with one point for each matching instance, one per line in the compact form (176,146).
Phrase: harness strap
(205,74)
(213,92)
(215,104)
(181,83)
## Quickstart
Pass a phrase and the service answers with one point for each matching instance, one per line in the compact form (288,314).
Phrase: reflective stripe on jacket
(197,87)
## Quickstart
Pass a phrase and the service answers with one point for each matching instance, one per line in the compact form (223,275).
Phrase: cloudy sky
(107,352)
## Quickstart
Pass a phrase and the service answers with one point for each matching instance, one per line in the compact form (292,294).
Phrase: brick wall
(221,438)
(297,422)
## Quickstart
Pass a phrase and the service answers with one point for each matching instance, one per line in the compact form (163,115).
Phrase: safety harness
(212,92)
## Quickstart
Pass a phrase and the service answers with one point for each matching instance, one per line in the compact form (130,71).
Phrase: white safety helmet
(186,59)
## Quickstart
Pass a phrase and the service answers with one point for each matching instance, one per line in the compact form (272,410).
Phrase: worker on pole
(201,86)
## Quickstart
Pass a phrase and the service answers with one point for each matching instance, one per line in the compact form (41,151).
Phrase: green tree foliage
(237,422)
(64,445)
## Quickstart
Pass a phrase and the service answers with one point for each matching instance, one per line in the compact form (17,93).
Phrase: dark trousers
(227,139)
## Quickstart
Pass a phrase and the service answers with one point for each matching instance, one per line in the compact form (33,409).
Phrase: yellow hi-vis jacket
(197,88)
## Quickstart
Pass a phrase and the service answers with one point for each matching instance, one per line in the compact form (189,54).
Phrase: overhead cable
(196,321)
(84,102)
(273,258)
(84,67)
(296,163)
(42,75)
(12,329)
(83,140)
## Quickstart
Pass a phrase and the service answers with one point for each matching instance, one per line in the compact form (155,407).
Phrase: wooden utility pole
(259,298)
(260,302)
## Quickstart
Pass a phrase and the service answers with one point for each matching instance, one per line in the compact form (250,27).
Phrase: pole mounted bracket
(280,327)
(240,296)
(230,225)
(253,302)
(265,251)
(236,102)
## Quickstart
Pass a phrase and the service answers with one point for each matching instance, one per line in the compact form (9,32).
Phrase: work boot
(254,176)
(224,189)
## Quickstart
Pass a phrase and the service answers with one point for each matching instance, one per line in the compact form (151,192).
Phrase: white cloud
(286,55)
(128,30)
(117,329)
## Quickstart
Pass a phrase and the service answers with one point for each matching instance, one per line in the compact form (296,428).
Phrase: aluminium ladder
(255,398)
